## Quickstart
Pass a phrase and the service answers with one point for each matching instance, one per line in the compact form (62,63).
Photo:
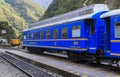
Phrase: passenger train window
(37,35)
(65,33)
(55,33)
(24,37)
(92,28)
(117,30)
(76,31)
(48,34)
(41,35)
(27,36)
(32,35)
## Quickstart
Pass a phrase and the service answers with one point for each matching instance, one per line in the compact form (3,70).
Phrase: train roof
(79,14)
(111,13)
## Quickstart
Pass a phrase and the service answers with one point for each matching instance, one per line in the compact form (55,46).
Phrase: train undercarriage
(80,57)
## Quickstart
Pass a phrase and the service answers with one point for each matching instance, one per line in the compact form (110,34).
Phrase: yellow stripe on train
(115,40)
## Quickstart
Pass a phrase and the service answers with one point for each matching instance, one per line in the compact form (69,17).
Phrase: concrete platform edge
(51,68)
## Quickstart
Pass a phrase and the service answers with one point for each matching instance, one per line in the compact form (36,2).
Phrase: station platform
(64,67)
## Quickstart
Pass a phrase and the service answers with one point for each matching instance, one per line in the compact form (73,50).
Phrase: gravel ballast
(8,70)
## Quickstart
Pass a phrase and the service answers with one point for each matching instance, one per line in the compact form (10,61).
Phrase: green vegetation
(4,25)
(15,15)
(62,6)
(26,9)
(18,14)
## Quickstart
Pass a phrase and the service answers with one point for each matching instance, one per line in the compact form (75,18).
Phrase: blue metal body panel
(65,44)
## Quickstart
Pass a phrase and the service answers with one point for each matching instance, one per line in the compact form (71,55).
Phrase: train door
(100,35)
(107,35)
(92,37)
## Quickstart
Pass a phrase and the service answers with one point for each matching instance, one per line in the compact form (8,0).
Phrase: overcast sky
(43,3)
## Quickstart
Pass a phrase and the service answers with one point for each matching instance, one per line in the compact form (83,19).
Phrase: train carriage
(80,33)
(112,33)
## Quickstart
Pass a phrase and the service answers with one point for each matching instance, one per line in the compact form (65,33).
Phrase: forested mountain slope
(61,6)
(17,14)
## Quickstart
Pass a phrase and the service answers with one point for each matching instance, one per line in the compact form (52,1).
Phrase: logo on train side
(75,43)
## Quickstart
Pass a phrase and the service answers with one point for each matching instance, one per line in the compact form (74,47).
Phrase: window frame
(48,34)
(115,29)
(43,35)
(92,28)
(25,37)
(79,29)
(63,33)
(54,33)
(37,35)
(32,35)
(29,36)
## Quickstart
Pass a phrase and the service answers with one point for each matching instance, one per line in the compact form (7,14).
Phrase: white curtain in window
(117,31)
(76,33)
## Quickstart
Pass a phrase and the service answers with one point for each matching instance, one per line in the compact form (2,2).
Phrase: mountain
(43,3)
(30,11)
(61,6)
(15,15)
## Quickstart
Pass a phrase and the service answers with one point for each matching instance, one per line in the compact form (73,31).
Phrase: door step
(89,57)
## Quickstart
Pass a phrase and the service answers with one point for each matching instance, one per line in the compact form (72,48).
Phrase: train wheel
(30,50)
(98,60)
(99,56)
(69,56)
(74,56)
(40,51)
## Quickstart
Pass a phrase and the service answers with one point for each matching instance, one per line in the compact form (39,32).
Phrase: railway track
(102,67)
(29,69)
(57,55)
(60,56)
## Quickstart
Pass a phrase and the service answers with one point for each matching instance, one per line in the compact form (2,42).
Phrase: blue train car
(112,34)
(79,33)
